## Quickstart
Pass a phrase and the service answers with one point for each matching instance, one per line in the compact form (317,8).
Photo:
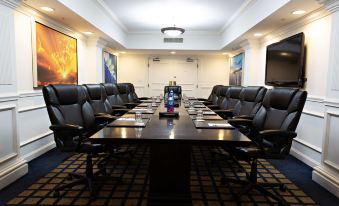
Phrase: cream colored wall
(213,69)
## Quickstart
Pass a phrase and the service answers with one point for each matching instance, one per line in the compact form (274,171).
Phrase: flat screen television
(285,62)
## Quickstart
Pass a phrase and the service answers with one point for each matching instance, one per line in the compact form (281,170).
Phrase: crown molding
(307,19)
(330,5)
(105,8)
(35,14)
(238,12)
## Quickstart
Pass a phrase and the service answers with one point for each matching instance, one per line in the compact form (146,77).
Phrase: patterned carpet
(132,191)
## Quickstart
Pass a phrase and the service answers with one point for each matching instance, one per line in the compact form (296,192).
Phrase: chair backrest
(176,91)
(281,110)
(250,101)
(124,91)
(213,93)
(113,94)
(222,92)
(232,97)
(66,104)
(132,96)
(97,97)
(216,94)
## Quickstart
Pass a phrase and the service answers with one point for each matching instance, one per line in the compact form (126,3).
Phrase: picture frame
(109,67)
(55,56)
(236,70)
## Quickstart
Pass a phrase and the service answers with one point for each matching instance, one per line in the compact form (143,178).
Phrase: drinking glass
(138,116)
(154,101)
(149,107)
(191,107)
(200,115)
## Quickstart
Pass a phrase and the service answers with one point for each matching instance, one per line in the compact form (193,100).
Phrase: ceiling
(198,17)
(193,15)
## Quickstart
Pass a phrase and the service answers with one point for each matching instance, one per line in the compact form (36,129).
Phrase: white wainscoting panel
(331,141)
(8,140)
(6,39)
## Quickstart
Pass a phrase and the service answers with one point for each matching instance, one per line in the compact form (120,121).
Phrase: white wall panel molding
(8,157)
(331,140)
(314,98)
(325,178)
(12,172)
(331,5)
(313,113)
(9,97)
(34,139)
(37,151)
(331,102)
(306,158)
(30,94)
(32,108)
(307,144)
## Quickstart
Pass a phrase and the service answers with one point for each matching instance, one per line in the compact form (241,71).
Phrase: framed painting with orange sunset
(56,57)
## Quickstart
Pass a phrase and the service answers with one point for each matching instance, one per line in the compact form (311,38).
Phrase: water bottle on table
(170,102)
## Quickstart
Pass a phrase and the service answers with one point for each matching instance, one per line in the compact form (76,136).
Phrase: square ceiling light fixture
(172,31)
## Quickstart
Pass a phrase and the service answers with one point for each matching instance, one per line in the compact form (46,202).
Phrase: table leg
(170,166)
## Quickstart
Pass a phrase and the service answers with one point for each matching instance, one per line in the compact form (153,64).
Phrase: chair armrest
(207,103)
(240,122)
(118,107)
(104,117)
(213,106)
(119,112)
(202,99)
(269,134)
(226,112)
(243,117)
(143,98)
(131,105)
(66,127)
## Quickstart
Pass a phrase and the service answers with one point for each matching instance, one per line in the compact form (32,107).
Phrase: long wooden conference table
(170,141)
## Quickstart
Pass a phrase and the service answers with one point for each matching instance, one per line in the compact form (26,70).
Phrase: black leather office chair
(247,102)
(210,97)
(97,97)
(125,91)
(272,131)
(115,100)
(228,102)
(73,121)
(213,99)
(132,95)
(220,97)
(176,91)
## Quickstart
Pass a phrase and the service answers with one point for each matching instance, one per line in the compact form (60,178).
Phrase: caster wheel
(56,194)
(282,187)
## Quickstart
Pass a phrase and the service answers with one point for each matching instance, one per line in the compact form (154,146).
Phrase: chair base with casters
(89,177)
(251,183)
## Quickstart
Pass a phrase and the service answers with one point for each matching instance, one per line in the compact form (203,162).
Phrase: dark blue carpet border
(292,168)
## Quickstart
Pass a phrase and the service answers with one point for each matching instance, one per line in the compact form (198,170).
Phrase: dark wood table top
(170,130)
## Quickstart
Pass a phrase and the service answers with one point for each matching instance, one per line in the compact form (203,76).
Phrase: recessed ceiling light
(122,52)
(88,32)
(257,34)
(46,8)
(225,53)
(173,52)
(298,12)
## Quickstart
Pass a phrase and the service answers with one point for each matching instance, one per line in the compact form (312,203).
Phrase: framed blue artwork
(110,67)
(236,69)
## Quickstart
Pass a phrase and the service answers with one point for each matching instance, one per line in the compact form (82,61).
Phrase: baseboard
(36,153)
(13,172)
(326,180)
(305,159)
